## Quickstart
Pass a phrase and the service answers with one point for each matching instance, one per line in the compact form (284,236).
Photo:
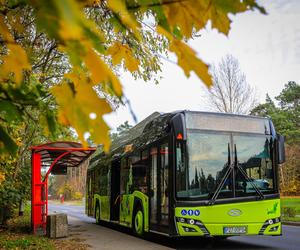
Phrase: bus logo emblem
(183,212)
(197,212)
(234,212)
(190,212)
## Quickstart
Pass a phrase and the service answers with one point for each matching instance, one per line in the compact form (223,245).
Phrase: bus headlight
(182,220)
(191,221)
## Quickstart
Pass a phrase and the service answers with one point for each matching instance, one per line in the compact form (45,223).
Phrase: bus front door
(159,198)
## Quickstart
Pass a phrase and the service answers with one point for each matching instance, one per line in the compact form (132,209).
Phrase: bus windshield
(210,154)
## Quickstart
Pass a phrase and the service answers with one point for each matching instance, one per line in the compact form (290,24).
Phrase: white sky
(267,47)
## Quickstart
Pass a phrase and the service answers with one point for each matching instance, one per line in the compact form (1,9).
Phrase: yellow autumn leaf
(75,107)
(15,62)
(100,72)
(184,15)
(15,22)
(116,52)
(120,9)
(16,58)
(4,32)
(69,32)
(188,61)
(187,58)
(2,177)
(218,12)
(120,51)
(190,14)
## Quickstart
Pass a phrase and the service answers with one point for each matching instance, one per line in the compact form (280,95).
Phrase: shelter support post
(38,197)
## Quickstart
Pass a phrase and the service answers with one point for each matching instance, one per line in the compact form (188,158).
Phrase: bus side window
(139,173)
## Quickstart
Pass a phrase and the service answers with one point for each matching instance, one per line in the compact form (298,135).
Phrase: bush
(77,196)
(66,190)
(289,211)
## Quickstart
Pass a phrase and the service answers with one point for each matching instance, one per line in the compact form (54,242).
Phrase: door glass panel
(164,166)
(139,173)
(253,156)
(125,185)
(153,186)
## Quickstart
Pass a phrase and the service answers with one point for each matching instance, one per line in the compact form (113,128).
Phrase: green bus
(190,173)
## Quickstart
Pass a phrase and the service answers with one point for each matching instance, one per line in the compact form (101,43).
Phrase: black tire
(97,213)
(138,221)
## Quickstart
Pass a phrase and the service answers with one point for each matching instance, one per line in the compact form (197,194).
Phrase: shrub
(77,196)
(66,190)
(289,211)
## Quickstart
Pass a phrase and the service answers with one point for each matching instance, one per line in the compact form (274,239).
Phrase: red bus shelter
(54,158)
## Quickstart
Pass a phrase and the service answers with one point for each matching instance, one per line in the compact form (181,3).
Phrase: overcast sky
(267,47)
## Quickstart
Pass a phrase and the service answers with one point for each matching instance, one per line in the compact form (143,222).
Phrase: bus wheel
(97,212)
(138,222)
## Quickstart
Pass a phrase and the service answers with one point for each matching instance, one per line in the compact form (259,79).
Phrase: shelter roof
(76,153)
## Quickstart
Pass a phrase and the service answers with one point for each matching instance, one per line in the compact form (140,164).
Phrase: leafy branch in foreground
(74,48)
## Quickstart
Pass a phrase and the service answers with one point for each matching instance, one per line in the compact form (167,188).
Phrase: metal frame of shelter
(57,157)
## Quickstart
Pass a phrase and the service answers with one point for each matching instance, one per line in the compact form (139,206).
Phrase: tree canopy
(286,118)
(286,115)
(66,54)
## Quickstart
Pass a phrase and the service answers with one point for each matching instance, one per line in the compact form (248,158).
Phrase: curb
(291,223)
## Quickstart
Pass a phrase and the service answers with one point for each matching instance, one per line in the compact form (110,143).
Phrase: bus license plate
(235,230)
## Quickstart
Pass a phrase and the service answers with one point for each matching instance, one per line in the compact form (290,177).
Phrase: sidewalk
(100,237)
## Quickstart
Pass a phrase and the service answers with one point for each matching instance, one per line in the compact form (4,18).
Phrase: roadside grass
(290,208)
(9,240)
(17,235)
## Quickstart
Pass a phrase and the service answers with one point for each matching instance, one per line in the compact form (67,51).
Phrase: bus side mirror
(281,149)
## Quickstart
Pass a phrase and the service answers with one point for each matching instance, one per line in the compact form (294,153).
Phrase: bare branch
(230,92)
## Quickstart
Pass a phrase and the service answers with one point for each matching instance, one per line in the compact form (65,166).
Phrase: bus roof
(154,127)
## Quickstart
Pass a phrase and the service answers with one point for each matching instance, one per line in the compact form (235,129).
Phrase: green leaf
(7,144)
(51,122)
(9,111)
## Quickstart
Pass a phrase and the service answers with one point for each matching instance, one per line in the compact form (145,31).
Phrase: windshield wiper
(236,165)
(227,173)
(230,170)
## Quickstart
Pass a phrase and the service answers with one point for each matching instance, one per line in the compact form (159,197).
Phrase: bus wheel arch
(138,220)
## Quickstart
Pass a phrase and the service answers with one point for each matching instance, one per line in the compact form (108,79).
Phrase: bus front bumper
(197,228)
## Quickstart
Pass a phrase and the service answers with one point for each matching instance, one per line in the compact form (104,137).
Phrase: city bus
(189,173)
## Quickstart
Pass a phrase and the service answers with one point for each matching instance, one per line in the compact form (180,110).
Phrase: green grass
(9,240)
(291,202)
(18,235)
(294,204)
(290,219)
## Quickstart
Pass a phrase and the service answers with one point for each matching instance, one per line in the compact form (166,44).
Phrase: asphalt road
(117,237)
